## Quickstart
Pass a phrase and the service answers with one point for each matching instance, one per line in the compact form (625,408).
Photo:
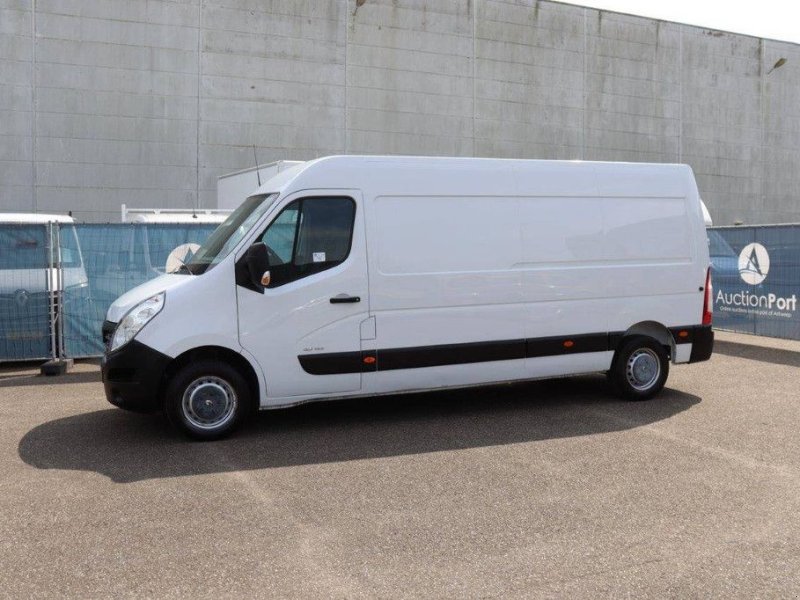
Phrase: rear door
(304,330)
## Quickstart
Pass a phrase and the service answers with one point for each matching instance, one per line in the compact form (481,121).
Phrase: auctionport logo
(753,263)
(753,269)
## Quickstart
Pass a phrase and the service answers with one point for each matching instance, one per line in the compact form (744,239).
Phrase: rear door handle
(345,299)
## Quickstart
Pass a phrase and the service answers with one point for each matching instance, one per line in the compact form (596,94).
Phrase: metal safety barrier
(57,280)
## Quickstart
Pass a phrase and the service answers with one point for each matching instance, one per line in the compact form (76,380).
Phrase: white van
(359,276)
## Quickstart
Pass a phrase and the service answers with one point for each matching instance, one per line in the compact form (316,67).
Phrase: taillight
(708,300)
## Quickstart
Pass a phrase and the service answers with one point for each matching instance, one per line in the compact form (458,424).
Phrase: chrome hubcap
(209,402)
(643,369)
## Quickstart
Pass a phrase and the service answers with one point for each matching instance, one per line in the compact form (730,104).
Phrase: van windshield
(229,233)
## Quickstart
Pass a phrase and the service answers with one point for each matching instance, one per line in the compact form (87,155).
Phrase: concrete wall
(146,102)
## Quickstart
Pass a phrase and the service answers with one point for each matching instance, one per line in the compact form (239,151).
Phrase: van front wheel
(640,368)
(207,400)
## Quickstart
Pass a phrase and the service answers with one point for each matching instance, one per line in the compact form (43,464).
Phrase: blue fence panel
(24,297)
(756,276)
(117,258)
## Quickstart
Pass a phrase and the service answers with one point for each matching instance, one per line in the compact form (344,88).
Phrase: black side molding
(332,364)
(449,354)
(576,344)
(388,359)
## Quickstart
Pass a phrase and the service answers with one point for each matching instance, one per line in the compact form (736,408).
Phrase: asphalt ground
(543,489)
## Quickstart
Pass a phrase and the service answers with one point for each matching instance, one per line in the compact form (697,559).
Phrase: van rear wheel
(640,368)
(207,400)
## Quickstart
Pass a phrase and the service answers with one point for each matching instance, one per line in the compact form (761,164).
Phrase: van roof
(280,165)
(410,175)
(34,218)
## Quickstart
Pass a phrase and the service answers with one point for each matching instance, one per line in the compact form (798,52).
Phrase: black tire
(640,368)
(207,400)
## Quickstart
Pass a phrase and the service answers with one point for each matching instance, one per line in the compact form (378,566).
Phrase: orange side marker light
(569,344)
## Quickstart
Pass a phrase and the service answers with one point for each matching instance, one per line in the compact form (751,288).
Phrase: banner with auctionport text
(756,279)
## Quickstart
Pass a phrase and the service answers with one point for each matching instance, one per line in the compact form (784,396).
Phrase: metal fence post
(60,292)
(58,364)
(51,289)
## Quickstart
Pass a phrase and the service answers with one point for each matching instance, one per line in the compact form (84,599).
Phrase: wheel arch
(219,353)
(655,330)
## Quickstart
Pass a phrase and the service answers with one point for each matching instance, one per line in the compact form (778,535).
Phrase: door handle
(345,299)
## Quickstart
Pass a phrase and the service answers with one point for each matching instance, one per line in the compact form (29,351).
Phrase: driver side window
(281,234)
(308,236)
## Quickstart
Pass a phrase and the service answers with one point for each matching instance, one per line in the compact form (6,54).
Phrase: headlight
(132,323)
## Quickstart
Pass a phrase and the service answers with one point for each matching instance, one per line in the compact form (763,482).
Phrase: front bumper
(132,376)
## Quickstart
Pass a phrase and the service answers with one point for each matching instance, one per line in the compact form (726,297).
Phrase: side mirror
(257,261)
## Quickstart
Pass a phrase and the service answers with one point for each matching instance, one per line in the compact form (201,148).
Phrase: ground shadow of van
(129,447)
